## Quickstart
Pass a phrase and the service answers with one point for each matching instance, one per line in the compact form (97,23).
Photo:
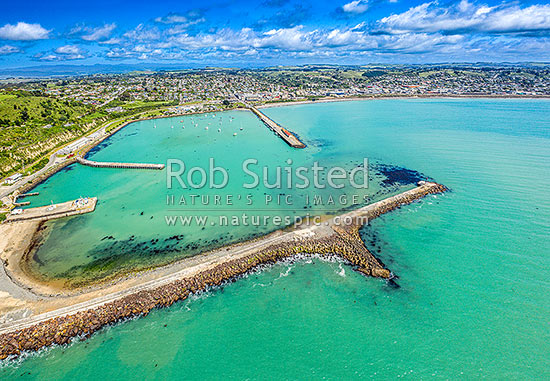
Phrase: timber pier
(98,164)
(289,138)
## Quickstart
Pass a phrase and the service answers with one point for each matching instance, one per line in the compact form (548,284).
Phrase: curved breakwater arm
(195,274)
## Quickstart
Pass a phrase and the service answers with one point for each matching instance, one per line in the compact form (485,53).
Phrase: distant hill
(64,70)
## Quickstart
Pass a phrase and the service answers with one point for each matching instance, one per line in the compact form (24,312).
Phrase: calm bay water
(128,230)
(473,264)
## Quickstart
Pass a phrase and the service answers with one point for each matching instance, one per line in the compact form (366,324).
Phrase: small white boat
(219,130)
(235,134)
(206,128)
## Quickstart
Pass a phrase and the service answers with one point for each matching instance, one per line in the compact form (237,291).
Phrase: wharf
(97,164)
(289,138)
(21,203)
(64,209)
(28,194)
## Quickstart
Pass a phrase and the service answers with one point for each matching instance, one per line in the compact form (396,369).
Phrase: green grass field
(31,110)
(21,109)
(32,125)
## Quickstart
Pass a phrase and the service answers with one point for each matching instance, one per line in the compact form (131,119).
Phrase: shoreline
(24,188)
(66,318)
(43,177)
(375,97)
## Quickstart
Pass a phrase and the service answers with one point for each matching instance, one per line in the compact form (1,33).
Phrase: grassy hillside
(24,108)
(31,125)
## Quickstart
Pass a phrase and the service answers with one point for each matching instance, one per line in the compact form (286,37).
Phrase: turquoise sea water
(128,230)
(473,266)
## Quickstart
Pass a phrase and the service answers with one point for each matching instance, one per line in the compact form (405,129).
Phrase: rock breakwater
(341,241)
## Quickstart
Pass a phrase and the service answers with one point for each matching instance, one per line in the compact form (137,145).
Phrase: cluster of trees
(38,110)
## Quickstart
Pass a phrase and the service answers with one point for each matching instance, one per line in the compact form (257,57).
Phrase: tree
(24,115)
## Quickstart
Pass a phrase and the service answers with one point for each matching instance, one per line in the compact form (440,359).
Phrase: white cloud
(467,16)
(286,38)
(68,49)
(298,40)
(111,41)
(23,32)
(63,53)
(8,49)
(192,18)
(172,19)
(118,53)
(180,28)
(144,53)
(143,33)
(99,33)
(413,43)
(49,57)
(425,30)
(356,6)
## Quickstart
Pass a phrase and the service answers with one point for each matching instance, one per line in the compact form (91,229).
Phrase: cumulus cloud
(286,38)
(23,32)
(308,42)
(95,34)
(144,53)
(469,17)
(68,49)
(8,49)
(63,53)
(356,6)
(463,30)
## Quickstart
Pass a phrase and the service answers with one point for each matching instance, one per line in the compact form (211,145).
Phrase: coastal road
(7,190)
(54,159)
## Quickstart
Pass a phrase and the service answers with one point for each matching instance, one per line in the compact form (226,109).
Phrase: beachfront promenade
(289,138)
(98,164)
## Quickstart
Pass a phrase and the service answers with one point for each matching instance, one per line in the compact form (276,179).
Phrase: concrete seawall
(119,165)
(199,273)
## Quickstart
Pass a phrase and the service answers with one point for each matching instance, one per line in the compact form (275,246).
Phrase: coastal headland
(62,315)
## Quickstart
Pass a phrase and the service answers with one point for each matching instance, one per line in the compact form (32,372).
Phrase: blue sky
(272,32)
